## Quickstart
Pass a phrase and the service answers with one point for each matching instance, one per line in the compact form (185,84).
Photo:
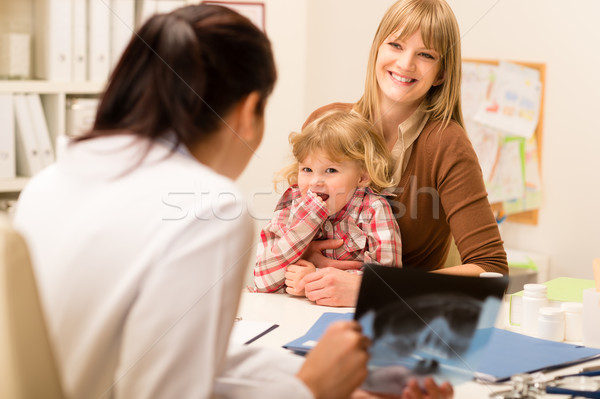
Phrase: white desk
(296,315)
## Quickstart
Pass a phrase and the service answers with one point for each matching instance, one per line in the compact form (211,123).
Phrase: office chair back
(27,365)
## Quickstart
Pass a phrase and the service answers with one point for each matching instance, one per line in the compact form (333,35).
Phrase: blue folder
(306,342)
(508,353)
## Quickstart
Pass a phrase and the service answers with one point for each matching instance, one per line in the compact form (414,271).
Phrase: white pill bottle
(534,298)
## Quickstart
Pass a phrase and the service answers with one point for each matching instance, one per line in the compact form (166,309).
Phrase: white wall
(286,27)
(339,39)
(566,37)
(321,48)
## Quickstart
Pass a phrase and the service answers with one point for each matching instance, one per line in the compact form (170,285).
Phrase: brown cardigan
(442,194)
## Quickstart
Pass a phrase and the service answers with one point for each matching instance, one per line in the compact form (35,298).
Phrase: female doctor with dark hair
(137,237)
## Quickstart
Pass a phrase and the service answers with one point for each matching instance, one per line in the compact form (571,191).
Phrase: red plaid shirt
(366,224)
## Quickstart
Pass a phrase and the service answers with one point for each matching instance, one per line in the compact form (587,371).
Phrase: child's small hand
(318,198)
(294,275)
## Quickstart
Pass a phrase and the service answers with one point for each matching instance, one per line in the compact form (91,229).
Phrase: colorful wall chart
(503,109)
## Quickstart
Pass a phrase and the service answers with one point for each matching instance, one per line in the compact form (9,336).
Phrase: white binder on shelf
(40,127)
(79,37)
(144,10)
(53,43)
(98,39)
(164,6)
(29,159)
(7,138)
(122,25)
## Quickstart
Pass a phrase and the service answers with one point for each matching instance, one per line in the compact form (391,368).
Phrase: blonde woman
(341,167)
(412,97)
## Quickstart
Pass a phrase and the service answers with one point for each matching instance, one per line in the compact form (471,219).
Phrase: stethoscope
(525,386)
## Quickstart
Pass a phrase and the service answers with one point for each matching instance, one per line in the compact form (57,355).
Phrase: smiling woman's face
(405,70)
(334,182)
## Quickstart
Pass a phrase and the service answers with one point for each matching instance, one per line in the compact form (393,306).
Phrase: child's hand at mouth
(321,197)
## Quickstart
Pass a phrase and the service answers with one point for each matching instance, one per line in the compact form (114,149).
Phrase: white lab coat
(140,269)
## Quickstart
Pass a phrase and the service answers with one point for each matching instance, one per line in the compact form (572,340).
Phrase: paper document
(247,331)
(513,104)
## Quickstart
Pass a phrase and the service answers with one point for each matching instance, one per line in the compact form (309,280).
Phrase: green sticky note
(521,262)
(568,289)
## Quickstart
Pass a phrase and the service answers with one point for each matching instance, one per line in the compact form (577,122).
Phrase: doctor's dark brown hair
(182,72)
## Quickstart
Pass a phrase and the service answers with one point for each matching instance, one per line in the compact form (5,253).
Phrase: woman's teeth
(402,79)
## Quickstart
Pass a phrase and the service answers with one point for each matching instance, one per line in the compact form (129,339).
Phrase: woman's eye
(306,170)
(428,56)
(330,170)
(395,45)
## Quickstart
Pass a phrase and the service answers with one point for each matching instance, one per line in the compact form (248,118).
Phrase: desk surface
(296,315)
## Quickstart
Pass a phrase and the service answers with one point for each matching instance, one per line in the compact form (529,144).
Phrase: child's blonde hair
(343,136)
(439,31)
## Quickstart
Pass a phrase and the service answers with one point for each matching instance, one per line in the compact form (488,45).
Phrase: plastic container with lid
(551,324)
(534,298)
(491,275)
(573,321)
(591,318)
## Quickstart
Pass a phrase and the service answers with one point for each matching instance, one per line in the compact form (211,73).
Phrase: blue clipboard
(508,353)
(305,343)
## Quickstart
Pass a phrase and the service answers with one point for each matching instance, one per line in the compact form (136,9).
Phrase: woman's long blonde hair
(342,136)
(439,30)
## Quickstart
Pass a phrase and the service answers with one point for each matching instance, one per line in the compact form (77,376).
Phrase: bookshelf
(54,97)
(13,185)
(19,17)
(43,22)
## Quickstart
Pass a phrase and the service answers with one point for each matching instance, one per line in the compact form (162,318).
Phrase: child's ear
(364,180)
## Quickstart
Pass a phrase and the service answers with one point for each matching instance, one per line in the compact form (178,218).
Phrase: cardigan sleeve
(464,198)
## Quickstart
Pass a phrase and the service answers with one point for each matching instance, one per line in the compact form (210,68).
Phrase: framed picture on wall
(254,11)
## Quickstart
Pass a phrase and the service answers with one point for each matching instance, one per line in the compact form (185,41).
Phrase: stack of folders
(25,146)
(82,40)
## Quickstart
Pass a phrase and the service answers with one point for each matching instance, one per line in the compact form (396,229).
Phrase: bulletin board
(530,148)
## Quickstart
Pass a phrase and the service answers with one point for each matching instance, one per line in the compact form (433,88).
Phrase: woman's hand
(314,255)
(294,275)
(337,365)
(331,287)
(413,391)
